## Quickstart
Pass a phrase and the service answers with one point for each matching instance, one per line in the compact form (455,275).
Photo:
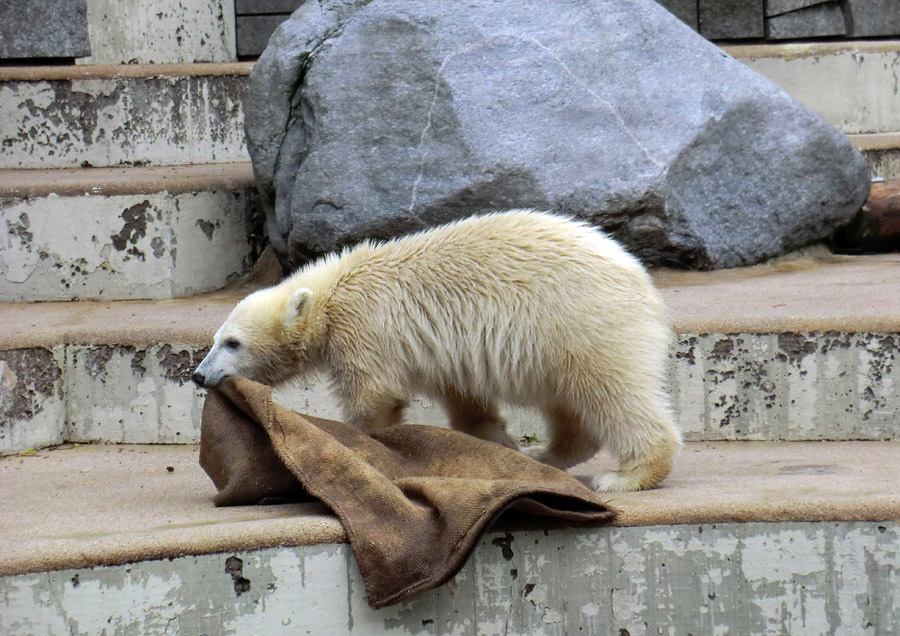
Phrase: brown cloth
(413,499)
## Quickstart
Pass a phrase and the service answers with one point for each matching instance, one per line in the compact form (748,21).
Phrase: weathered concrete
(775,386)
(164,31)
(163,405)
(129,246)
(881,152)
(109,121)
(790,578)
(851,84)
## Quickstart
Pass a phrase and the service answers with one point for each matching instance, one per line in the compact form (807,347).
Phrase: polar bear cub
(522,308)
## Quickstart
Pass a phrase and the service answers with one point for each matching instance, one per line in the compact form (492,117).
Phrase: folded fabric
(413,499)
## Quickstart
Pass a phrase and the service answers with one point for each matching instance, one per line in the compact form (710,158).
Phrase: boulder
(376,118)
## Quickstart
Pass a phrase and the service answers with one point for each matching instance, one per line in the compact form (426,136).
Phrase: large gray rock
(373,119)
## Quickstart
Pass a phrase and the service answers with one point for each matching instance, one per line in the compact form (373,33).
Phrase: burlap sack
(413,499)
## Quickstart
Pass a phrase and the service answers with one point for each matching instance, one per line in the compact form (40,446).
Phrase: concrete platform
(800,349)
(123,233)
(795,538)
(155,502)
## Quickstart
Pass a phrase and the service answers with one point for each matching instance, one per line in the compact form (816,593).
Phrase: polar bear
(521,308)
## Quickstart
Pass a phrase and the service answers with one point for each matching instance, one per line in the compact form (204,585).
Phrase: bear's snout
(199,379)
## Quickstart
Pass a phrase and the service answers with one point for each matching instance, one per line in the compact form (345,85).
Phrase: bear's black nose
(199,379)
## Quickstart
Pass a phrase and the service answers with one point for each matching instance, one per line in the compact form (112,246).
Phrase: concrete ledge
(70,182)
(806,292)
(795,50)
(113,71)
(141,510)
(876,141)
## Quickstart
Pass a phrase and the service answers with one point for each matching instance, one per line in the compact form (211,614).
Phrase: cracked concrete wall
(855,91)
(836,578)
(792,387)
(124,121)
(160,32)
(126,247)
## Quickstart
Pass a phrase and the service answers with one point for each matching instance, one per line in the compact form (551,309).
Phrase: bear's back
(489,301)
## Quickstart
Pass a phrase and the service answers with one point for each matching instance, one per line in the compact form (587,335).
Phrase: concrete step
(803,348)
(851,83)
(745,538)
(125,233)
(130,115)
(168,114)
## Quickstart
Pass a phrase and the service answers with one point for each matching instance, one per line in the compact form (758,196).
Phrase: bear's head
(271,336)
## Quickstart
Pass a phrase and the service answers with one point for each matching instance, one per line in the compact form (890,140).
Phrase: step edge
(116,71)
(24,183)
(799,50)
(201,337)
(875,141)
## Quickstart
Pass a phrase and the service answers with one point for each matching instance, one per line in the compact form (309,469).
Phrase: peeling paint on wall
(120,247)
(32,398)
(122,122)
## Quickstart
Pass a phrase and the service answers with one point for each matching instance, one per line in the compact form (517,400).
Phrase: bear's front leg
(367,405)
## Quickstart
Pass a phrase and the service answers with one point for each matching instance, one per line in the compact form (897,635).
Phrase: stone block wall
(256,20)
(769,20)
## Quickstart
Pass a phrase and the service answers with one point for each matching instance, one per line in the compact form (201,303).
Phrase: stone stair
(780,517)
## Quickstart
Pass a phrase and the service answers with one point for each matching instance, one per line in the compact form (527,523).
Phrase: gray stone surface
(373,120)
(869,18)
(731,19)
(39,28)
(822,20)
(777,7)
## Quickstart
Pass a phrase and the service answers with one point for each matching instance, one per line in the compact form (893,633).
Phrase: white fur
(520,307)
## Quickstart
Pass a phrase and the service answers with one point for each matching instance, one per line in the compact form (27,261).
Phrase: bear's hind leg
(476,417)
(640,433)
(569,445)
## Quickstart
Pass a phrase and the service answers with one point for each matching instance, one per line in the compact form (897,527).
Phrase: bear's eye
(231,343)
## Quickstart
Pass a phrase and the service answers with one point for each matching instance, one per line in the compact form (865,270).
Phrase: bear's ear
(299,304)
